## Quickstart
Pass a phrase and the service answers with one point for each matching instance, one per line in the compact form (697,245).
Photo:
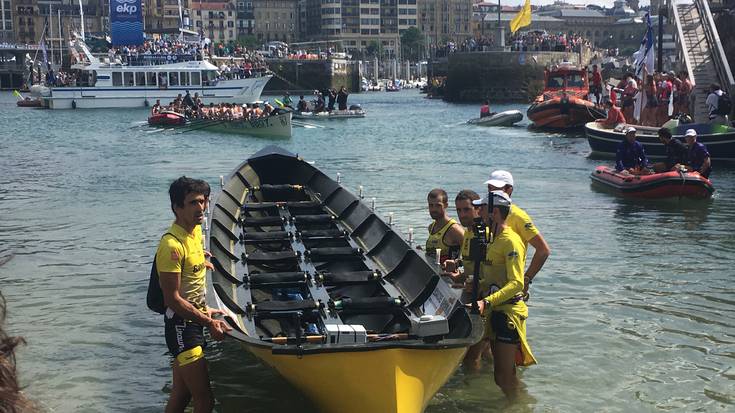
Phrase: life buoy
(73,104)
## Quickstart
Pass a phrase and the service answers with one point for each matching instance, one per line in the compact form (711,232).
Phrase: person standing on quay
(181,265)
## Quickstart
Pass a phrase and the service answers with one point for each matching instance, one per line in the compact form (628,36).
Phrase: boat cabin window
(139,78)
(575,80)
(184,78)
(117,79)
(150,78)
(209,78)
(173,79)
(195,79)
(128,79)
(555,81)
(163,80)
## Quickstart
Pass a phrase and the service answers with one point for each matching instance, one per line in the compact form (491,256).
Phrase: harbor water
(634,310)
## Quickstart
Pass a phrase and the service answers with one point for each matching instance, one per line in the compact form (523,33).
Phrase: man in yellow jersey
(181,265)
(522,224)
(503,304)
(444,233)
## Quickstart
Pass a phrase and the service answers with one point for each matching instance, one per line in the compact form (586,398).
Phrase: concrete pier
(305,76)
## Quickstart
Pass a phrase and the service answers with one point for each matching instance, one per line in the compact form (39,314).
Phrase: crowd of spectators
(538,41)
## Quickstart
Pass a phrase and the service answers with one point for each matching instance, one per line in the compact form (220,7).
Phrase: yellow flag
(17,94)
(522,19)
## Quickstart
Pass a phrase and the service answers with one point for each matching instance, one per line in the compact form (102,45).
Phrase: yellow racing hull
(392,380)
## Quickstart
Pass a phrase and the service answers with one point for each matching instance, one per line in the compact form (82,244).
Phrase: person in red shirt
(596,86)
(614,116)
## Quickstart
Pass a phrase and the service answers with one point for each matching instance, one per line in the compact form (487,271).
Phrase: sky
(605,3)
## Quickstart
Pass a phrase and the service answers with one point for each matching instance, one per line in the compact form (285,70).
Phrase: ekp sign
(126,22)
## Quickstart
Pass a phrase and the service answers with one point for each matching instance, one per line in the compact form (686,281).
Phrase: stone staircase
(700,57)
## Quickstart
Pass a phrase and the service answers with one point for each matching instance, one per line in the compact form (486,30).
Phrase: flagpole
(660,62)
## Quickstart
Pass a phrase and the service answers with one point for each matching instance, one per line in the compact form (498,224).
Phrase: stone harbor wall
(501,76)
(305,76)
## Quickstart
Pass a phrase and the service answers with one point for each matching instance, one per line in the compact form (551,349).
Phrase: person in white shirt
(713,105)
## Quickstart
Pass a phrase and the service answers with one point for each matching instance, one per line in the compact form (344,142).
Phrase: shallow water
(633,312)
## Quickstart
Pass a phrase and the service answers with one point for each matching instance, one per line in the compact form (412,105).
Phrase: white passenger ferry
(104,84)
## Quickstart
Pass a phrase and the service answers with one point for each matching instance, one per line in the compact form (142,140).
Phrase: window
(195,78)
(128,79)
(151,78)
(140,78)
(173,79)
(184,78)
(117,79)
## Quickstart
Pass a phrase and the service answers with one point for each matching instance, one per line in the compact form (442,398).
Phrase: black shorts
(183,335)
(504,332)
(595,89)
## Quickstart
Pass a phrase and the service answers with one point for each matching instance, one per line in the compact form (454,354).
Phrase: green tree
(412,43)
(249,41)
(374,49)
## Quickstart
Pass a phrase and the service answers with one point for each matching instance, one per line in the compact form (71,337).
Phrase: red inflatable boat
(672,184)
(166,119)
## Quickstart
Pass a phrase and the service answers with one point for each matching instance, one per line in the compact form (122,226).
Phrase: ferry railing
(678,35)
(718,53)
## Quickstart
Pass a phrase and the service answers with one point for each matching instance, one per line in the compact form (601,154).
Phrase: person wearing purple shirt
(630,155)
(698,155)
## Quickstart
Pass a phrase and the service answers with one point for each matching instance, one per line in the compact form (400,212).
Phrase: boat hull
(335,114)
(604,142)
(167,119)
(505,118)
(558,113)
(672,184)
(276,126)
(386,381)
(226,91)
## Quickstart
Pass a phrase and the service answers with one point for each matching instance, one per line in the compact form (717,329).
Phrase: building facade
(162,16)
(7,34)
(216,20)
(443,21)
(59,18)
(276,20)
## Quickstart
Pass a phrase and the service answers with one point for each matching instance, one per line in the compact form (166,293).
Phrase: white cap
(629,129)
(499,198)
(500,178)
(690,132)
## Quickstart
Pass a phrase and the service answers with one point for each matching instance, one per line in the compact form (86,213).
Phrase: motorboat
(335,114)
(671,184)
(28,102)
(143,80)
(167,118)
(564,102)
(319,287)
(504,118)
(719,139)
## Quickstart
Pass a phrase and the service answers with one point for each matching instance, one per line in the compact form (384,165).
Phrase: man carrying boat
(697,155)
(676,152)
(181,265)
(630,156)
(503,304)
(444,233)
(522,224)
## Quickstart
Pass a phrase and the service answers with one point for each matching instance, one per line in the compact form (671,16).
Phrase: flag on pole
(644,56)
(17,94)
(43,49)
(522,19)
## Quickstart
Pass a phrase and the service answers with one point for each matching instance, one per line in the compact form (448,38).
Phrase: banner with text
(126,22)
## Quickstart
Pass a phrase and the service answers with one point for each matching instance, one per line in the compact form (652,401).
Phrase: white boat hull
(226,91)
(276,126)
(335,114)
(505,118)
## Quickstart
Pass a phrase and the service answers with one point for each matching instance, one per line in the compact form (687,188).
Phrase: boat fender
(73,104)
(146,103)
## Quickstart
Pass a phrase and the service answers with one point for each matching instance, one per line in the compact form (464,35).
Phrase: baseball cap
(500,179)
(690,132)
(630,129)
(499,198)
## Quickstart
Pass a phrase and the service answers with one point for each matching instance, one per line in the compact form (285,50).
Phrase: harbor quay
(298,75)
(502,76)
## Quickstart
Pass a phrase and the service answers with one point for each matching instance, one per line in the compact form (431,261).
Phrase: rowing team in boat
(494,233)
(630,156)
(193,108)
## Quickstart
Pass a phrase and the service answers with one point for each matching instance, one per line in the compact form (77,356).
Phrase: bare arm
(169,282)
(454,236)
(541,253)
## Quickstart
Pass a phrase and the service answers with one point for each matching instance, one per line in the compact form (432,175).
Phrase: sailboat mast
(81,18)
(61,37)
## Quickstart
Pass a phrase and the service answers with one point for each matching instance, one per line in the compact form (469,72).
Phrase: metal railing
(718,53)
(679,40)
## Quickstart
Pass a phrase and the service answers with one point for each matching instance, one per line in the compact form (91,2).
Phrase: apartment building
(445,20)
(276,20)
(216,20)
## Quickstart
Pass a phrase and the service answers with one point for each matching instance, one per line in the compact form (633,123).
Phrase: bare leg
(180,395)
(195,376)
(473,359)
(505,369)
